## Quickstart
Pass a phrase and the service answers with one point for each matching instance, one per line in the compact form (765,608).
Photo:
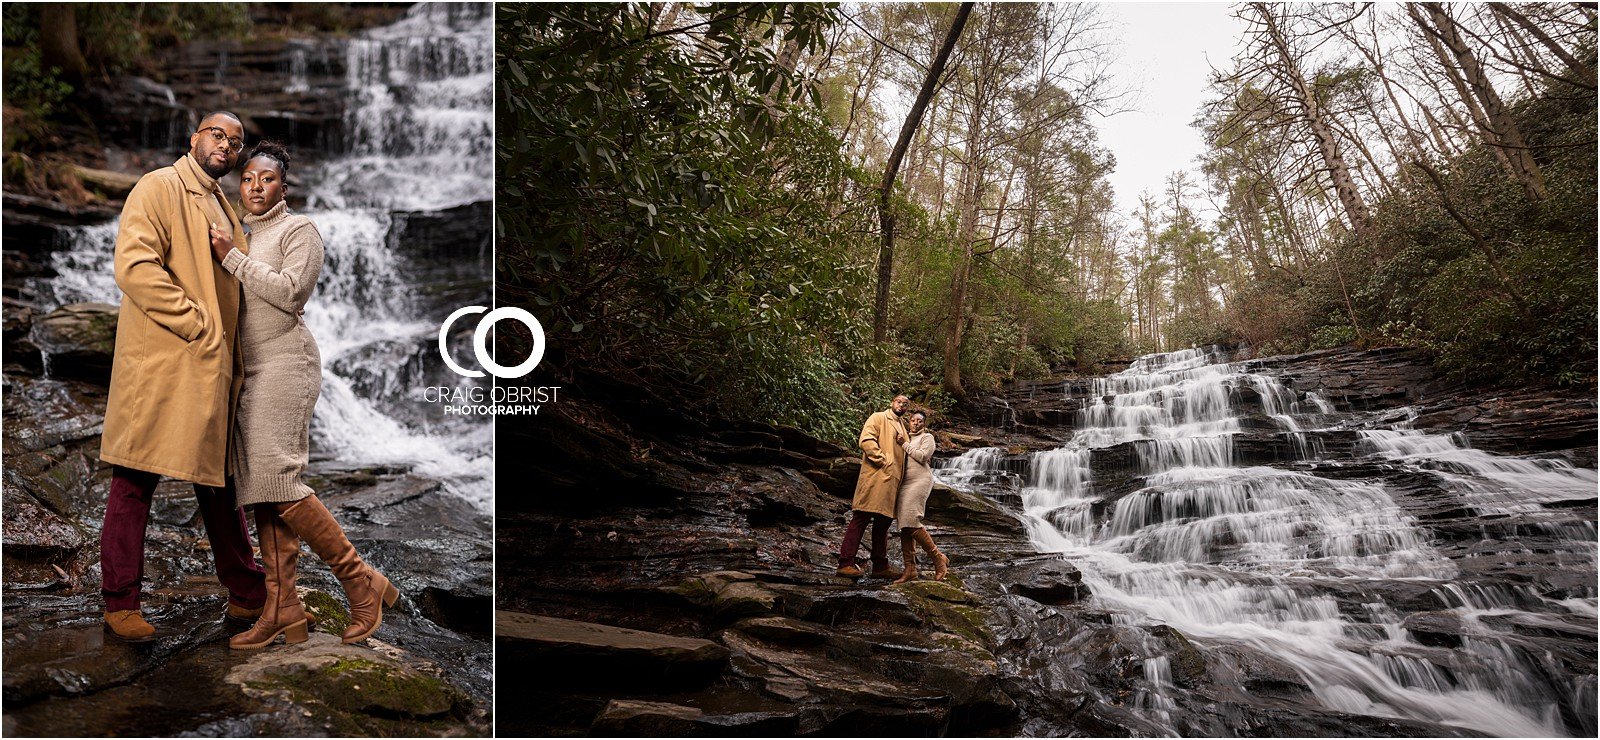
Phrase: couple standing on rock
(894,483)
(215,384)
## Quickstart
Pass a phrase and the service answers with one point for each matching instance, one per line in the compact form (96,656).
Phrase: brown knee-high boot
(908,553)
(366,589)
(283,613)
(941,564)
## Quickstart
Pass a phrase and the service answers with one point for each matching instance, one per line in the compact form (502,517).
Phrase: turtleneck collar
(273,215)
(200,175)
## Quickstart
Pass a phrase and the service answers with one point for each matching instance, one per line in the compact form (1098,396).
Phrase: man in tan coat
(174,374)
(883,464)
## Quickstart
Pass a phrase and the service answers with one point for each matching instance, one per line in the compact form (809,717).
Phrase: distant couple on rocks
(894,483)
(213,381)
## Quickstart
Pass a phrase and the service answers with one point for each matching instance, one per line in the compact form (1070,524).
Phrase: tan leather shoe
(848,571)
(887,572)
(129,625)
(244,614)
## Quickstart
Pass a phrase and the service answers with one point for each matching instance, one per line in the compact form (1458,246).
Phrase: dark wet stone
(576,653)
(32,530)
(43,413)
(1047,582)
(950,507)
(632,717)
(72,654)
(1435,629)
(784,631)
(22,356)
(77,340)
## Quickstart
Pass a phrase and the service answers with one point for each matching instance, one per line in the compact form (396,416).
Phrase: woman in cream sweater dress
(272,423)
(913,500)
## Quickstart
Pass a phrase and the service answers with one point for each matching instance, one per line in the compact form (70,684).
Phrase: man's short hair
(216,113)
(896,398)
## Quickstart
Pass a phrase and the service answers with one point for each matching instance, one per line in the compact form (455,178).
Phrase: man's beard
(215,171)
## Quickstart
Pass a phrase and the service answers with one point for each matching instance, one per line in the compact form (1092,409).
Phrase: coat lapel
(197,199)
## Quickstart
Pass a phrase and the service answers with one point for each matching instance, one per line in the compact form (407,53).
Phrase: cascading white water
(418,133)
(420,122)
(417,126)
(1256,555)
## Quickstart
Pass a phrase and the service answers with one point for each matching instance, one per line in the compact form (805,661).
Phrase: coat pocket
(198,346)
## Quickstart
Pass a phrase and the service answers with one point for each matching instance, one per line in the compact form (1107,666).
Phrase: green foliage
(686,213)
(114,38)
(1532,319)
(34,93)
(120,37)
(1514,304)
(676,205)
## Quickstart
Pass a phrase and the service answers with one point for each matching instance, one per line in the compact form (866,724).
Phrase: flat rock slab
(631,717)
(564,652)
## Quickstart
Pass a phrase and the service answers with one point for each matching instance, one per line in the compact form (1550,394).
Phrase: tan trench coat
(883,464)
(174,374)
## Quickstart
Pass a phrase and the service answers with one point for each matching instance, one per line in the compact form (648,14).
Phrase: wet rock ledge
(662,572)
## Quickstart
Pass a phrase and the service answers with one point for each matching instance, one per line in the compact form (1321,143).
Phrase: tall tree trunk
(58,41)
(930,83)
(966,235)
(1503,132)
(1355,208)
(1479,119)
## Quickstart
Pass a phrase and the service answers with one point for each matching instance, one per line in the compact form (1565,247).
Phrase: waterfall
(1259,556)
(417,142)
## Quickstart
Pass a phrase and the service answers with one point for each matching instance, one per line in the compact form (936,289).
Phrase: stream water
(416,142)
(1267,557)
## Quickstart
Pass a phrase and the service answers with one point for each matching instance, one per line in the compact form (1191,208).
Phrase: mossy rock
(384,690)
(350,690)
(79,327)
(951,608)
(963,645)
(938,591)
(327,611)
(730,594)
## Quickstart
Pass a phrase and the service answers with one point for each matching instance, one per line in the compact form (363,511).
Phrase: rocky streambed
(428,670)
(661,573)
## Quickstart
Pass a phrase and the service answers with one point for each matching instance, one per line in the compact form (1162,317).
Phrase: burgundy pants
(122,541)
(852,539)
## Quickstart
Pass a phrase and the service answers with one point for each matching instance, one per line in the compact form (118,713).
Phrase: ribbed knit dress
(282,367)
(918,483)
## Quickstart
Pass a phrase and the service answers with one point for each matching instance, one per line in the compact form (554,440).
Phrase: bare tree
(930,84)
(1494,120)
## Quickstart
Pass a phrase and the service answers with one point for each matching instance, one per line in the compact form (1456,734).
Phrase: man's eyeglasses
(235,144)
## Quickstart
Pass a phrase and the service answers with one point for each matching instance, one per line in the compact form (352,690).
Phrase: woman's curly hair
(274,151)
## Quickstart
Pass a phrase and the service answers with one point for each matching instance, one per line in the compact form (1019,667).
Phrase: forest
(790,212)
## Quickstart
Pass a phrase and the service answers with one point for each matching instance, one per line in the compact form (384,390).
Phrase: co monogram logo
(480,340)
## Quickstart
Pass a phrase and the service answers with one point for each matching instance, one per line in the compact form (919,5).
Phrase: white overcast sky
(1167,51)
